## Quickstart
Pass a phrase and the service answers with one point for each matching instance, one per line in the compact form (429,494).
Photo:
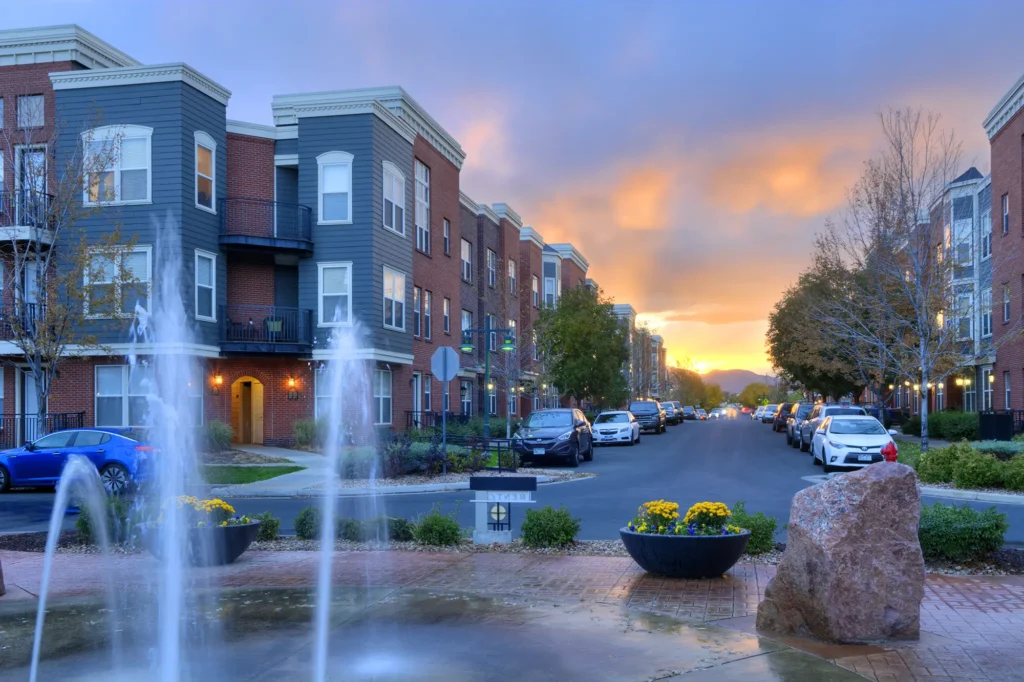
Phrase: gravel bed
(239,457)
(556,476)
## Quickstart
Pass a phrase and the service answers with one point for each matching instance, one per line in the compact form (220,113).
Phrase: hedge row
(946,426)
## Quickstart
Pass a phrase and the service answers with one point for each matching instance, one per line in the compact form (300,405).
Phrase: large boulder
(853,569)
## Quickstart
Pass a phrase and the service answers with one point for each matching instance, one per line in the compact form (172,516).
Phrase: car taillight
(144,448)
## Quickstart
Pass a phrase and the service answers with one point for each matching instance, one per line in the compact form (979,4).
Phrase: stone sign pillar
(853,569)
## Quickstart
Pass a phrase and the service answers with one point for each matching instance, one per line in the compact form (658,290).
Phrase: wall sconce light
(218,381)
(991,378)
(917,387)
(490,386)
(293,392)
(891,387)
(959,381)
(906,383)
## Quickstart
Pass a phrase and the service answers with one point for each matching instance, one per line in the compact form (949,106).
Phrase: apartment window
(986,233)
(513,402)
(417,295)
(1006,390)
(446,392)
(447,237)
(492,338)
(969,398)
(428,303)
(1006,303)
(549,291)
(427,391)
(512,329)
(1,113)
(206,164)
(394,198)
(382,396)
(322,393)
(535,290)
(334,188)
(965,316)
(447,314)
(394,299)
(423,207)
(117,165)
(492,399)
(116,284)
(122,394)
(206,285)
(31,111)
(986,388)
(466,391)
(533,342)
(467,261)
(940,396)
(335,294)
(492,268)
(1006,212)
(467,320)
(986,313)
(512,277)
(898,394)
(196,416)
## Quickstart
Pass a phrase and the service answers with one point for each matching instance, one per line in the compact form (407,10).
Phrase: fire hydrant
(889,452)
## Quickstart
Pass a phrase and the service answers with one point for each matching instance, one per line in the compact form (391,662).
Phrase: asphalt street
(724,461)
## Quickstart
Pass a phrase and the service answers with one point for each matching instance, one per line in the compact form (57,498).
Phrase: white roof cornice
(571,252)
(468,203)
(506,212)
(398,101)
(288,109)
(134,75)
(624,310)
(532,235)
(48,44)
(1005,109)
(485,210)
(265,131)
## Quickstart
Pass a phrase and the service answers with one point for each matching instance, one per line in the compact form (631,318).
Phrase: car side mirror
(580,422)
(893,432)
(30,447)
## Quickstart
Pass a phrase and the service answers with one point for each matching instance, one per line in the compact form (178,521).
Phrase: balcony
(19,320)
(265,329)
(25,216)
(258,224)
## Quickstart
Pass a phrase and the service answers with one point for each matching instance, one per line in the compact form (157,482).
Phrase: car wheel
(115,479)
(637,442)
(5,480)
(589,456)
(574,456)
(814,458)
(804,447)
(828,469)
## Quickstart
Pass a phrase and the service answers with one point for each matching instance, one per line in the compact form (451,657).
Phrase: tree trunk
(924,411)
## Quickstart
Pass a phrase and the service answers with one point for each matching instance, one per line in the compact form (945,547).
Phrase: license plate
(538,451)
(864,458)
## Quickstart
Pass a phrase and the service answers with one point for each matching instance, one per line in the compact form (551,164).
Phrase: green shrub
(1013,474)
(936,466)
(305,432)
(218,435)
(352,530)
(386,527)
(909,453)
(977,470)
(438,529)
(549,527)
(307,523)
(269,527)
(912,427)
(1000,449)
(401,530)
(120,522)
(953,425)
(762,528)
(960,533)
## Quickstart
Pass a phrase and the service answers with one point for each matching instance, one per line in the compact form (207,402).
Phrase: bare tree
(889,287)
(60,289)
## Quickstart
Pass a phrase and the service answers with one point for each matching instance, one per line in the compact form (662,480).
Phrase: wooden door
(257,413)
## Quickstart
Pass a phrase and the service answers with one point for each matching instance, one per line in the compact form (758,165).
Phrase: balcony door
(417,399)
(27,406)
(30,185)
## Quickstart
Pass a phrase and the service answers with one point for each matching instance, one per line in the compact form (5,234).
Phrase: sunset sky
(690,150)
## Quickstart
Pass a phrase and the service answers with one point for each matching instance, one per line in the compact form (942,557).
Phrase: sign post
(444,365)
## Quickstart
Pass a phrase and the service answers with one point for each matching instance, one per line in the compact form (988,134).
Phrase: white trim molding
(288,109)
(135,75)
(264,131)
(68,42)
(286,159)
(505,211)
(568,251)
(532,235)
(468,203)
(122,349)
(1005,109)
(485,210)
(375,354)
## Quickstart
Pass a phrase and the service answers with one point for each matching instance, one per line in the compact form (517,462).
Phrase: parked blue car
(120,460)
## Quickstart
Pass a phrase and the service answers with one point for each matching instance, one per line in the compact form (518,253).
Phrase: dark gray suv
(649,414)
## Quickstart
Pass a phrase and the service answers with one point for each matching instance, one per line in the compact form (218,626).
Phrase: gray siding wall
(286,146)
(365,243)
(286,184)
(174,111)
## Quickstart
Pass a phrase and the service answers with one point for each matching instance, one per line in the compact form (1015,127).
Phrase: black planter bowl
(209,545)
(685,556)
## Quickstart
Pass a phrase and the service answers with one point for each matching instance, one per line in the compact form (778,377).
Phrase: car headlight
(517,436)
(834,444)
(565,436)
(625,429)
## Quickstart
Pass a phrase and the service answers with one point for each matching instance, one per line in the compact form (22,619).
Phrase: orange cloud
(641,200)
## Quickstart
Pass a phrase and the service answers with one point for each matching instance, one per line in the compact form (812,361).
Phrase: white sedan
(618,427)
(850,442)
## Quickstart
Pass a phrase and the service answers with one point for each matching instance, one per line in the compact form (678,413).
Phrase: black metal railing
(18,429)
(265,219)
(425,419)
(498,453)
(20,320)
(24,208)
(265,324)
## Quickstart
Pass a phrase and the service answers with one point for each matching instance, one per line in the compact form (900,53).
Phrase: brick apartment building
(345,213)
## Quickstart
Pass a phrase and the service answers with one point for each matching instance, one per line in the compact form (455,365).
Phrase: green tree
(755,394)
(713,396)
(687,386)
(584,347)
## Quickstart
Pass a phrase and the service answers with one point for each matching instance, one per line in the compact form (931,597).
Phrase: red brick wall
(1007,149)
(572,274)
(531,262)
(279,413)
(436,273)
(250,280)
(250,167)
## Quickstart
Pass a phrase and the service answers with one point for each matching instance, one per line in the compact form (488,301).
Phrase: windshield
(688,408)
(804,410)
(541,420)
(771,408)
(641,407)
(617,418)
(860,427)
(839,411)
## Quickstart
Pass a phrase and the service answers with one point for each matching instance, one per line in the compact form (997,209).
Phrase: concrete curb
(225,491)
(972,495)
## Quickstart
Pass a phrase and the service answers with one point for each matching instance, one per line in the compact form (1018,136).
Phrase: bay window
(117,165)
(334,298)
(206,285)
(394,299)
(334,188)
(206,164)
(394,198)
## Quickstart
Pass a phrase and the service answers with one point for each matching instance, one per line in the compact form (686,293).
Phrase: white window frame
(492,400)
(205,140)
(492,340)
(986,234)
(1006,390)
(965,314)
(535,284)
(422,210)
(213,287)
(940,395)
(125,395)
(492,268)
(986,313)
(466,320)
(986,389)
(118,312)
(394,179)
(550,291)
(467,260)
(380,378)
(321,391)
(1006,303)
(417,320)
(428,394)
(393,301)
(447,237)
(428,314)
(39,100)
(320,267)
(323,161)
(116,135)
(446,311)
(1005,201)
(466,401)
(512,277)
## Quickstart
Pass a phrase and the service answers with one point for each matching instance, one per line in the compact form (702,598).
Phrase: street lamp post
(508,344)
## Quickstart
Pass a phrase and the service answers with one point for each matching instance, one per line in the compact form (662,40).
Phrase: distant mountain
(735,380)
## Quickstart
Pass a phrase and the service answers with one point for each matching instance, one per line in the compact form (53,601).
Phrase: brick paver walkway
(972,628)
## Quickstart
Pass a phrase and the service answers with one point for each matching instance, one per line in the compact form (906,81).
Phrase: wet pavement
(454,616)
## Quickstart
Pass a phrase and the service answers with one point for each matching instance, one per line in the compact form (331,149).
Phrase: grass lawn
(232,475)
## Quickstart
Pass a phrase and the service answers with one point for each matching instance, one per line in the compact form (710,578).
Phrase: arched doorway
(247,410)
